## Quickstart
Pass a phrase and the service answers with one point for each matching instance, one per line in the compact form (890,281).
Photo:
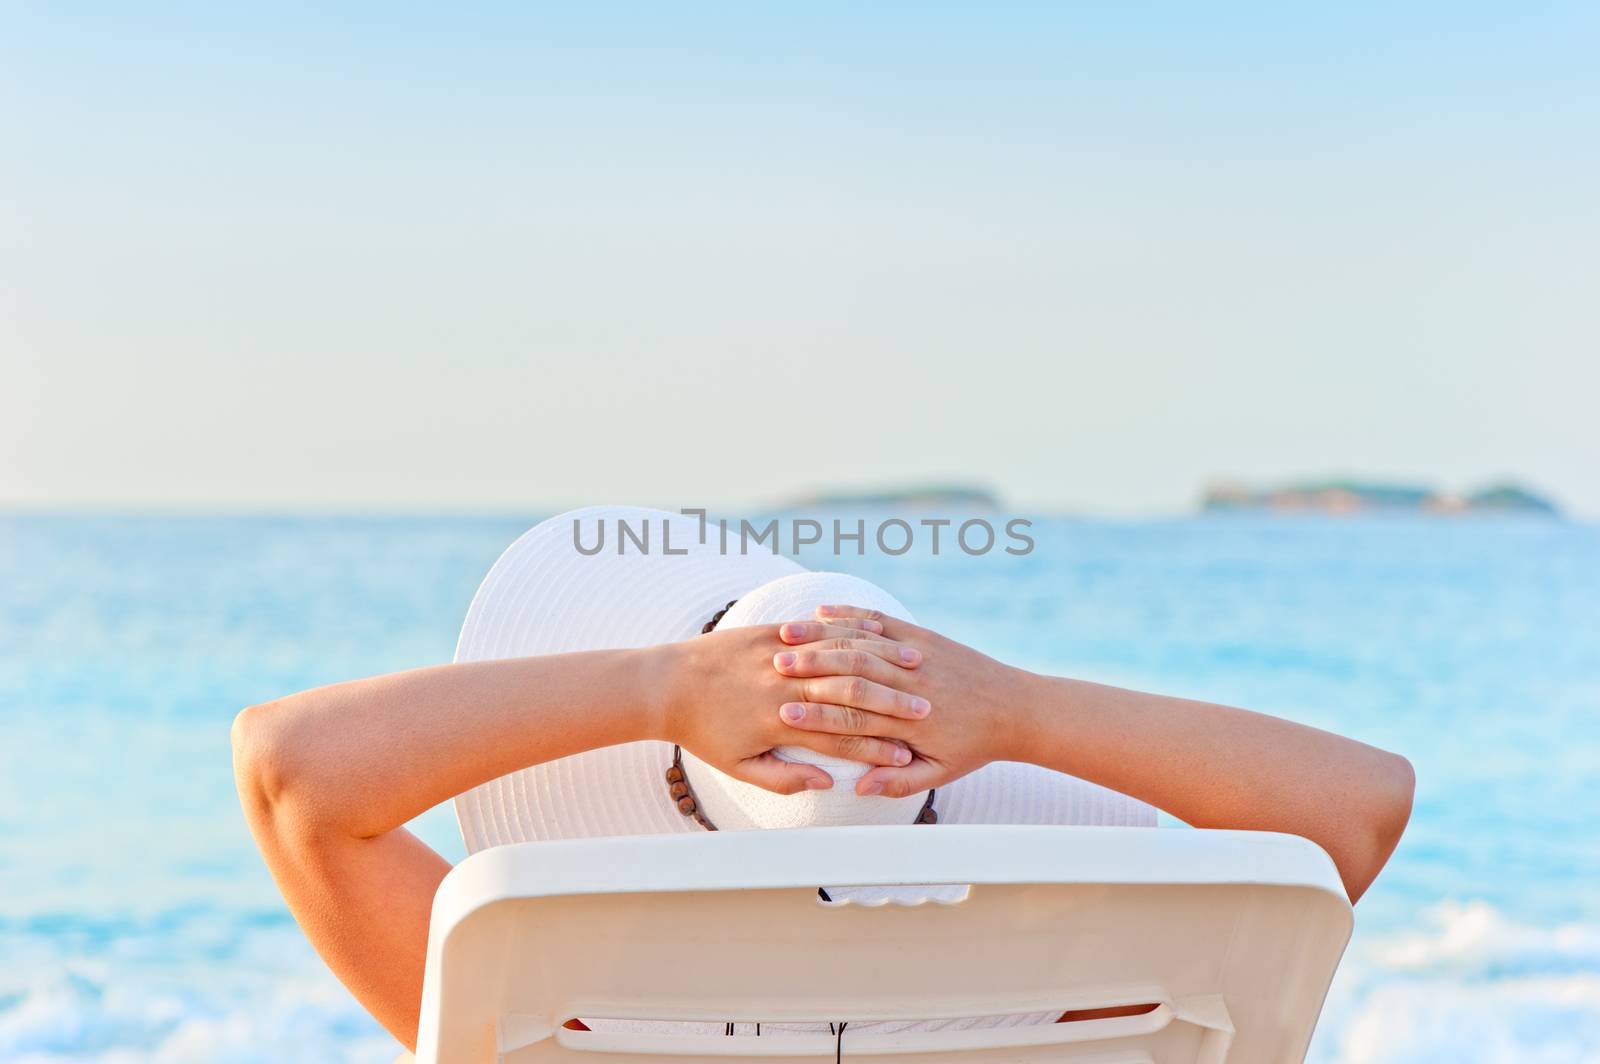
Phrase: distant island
(1355,496)
(918,497)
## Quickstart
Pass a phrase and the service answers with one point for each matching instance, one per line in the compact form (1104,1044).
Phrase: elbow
(261,765)
(1398,791)
(1392,791)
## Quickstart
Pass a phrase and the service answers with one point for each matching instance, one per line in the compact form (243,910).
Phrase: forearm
(1215,766)
(363,757)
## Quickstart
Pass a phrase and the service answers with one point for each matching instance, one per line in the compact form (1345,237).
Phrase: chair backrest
(1233,936)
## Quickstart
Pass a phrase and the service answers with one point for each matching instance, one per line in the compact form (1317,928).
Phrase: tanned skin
(329,777)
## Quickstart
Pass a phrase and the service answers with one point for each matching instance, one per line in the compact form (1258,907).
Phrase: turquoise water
(137,924)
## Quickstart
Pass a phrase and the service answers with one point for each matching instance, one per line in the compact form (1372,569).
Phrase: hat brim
(544,596)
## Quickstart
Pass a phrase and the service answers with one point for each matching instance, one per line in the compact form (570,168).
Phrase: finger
(864,694)
(840,612)
(797,632)
(872,659)
(862,623)
(855,624)
(843,720)
(893,627)
(848,656)
(902,781)
(867,749)
(780,776)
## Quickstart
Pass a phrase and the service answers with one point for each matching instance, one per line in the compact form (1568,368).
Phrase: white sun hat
(652,581)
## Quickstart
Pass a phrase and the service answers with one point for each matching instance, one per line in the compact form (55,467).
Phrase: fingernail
(872,788)
(786,659)
(873,626)
(920,707)
(910,656)
(902,757)
(826,611)
(794,713)
(817,783)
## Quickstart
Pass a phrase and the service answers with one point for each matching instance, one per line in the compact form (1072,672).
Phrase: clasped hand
(923,710)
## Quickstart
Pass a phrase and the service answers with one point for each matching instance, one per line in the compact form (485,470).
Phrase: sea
(137,922)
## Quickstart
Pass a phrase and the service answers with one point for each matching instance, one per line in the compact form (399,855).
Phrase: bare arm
(329,777)
(1216,766)
(1211,766)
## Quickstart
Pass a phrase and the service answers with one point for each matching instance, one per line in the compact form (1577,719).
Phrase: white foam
(1474,935)
(77,1018)
(1471,986)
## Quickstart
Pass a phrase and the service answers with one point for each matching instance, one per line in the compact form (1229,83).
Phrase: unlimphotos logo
(894,536)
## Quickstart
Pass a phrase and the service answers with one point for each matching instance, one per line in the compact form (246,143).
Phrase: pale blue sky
(496,256)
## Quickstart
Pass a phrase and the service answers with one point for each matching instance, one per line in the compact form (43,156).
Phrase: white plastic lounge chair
(1233,935)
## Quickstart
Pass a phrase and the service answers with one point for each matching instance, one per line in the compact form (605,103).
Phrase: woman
(582,702)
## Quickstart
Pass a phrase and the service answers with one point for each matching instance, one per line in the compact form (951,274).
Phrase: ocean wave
(1467,985)
(62,1023)
(1475,937)
(108,1011)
